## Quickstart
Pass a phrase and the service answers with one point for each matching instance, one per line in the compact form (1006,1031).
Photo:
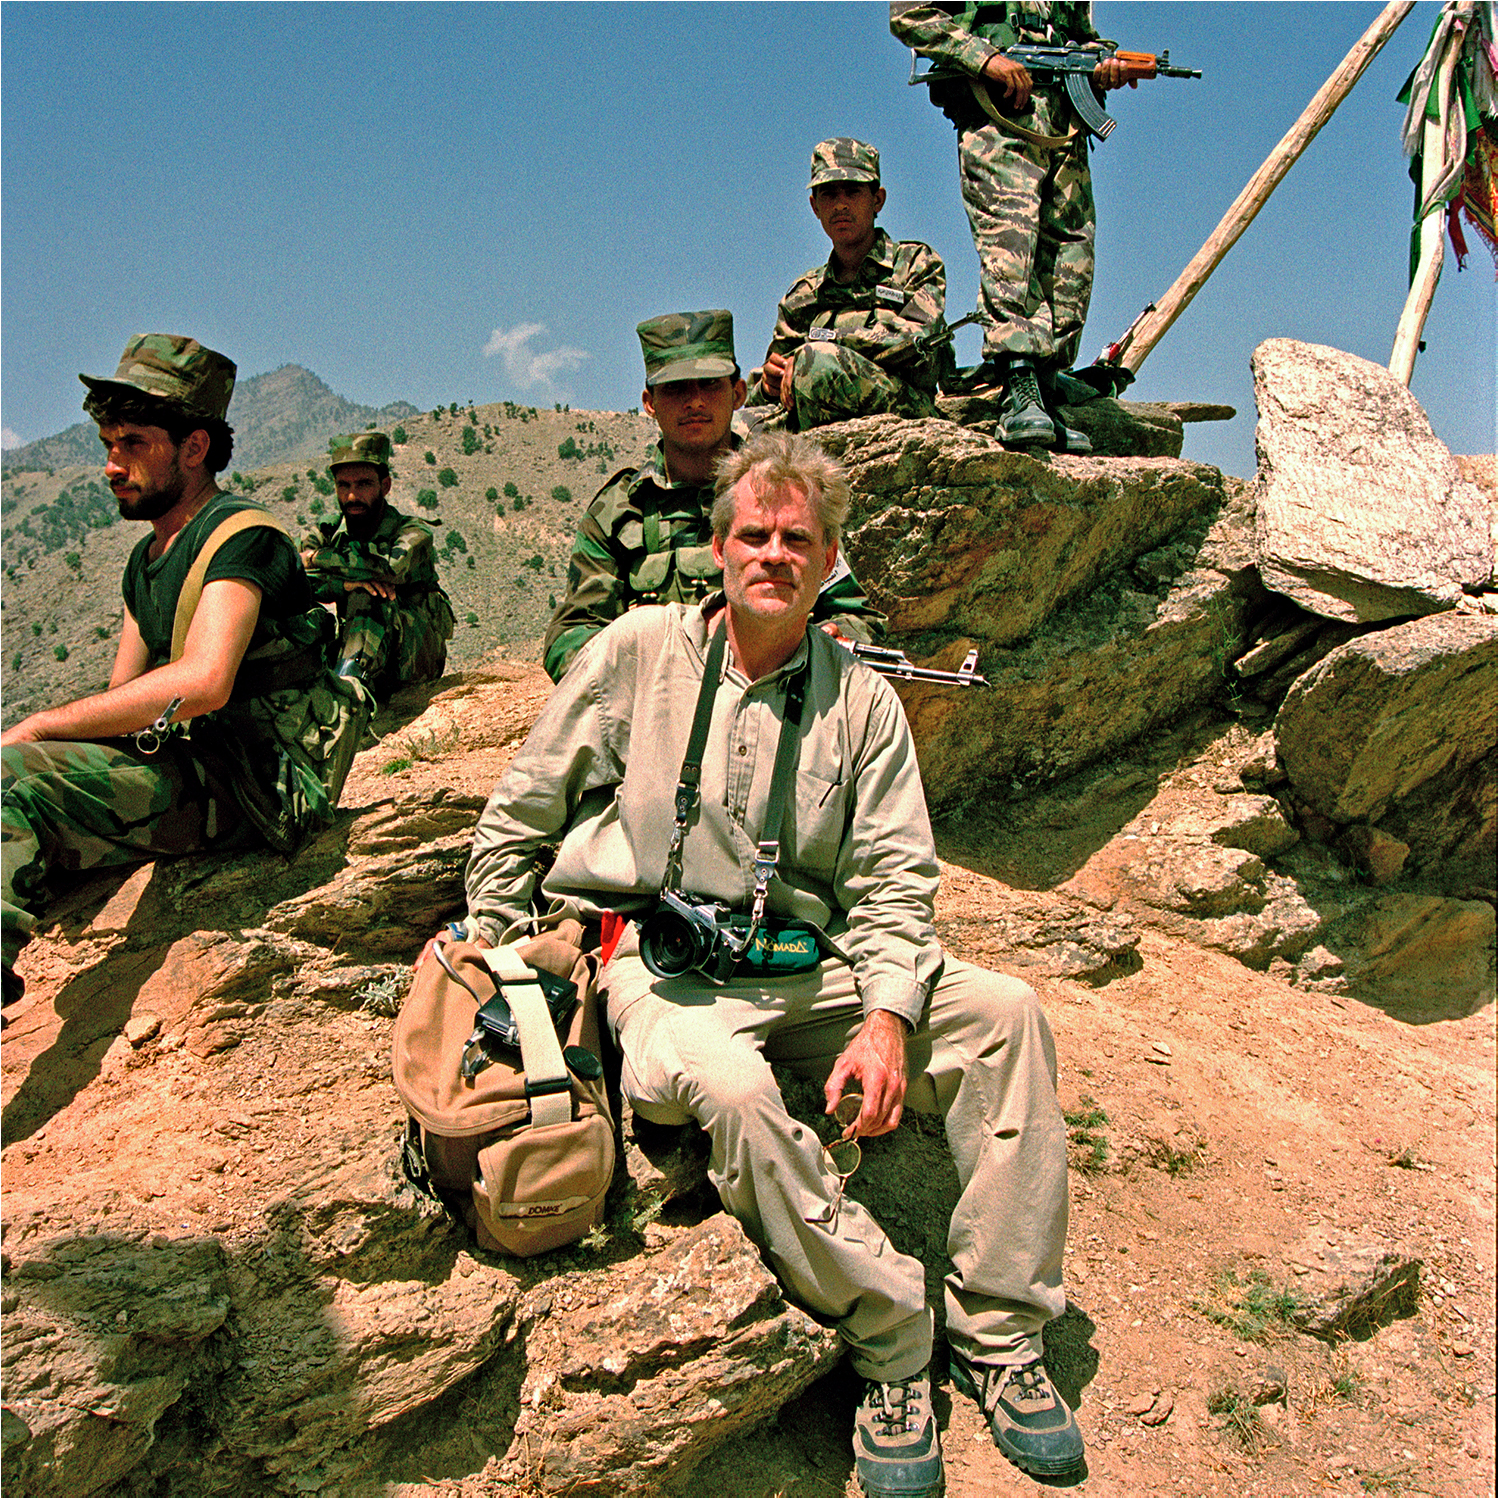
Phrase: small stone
(140,1029)
(1462,1351)
(1159,1412)
(1139,1405)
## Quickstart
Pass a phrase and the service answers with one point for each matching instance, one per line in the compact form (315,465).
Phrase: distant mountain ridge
(284,416)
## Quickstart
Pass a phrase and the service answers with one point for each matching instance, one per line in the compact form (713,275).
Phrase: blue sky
(479,201)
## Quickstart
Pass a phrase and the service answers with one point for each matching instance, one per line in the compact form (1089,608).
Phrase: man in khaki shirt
(889,1018)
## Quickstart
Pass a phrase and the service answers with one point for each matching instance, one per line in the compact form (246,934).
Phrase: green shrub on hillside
(316,506)
(469,441)
(398,436)
(429,457)
(510,489)
(74,560)
(60,652)
(427,499)
(562,493)
(322,484)
(289,494)
(454,542)
(492,494)
(447,478)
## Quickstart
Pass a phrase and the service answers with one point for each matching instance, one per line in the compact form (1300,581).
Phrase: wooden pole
(1148,330)
(1430,244)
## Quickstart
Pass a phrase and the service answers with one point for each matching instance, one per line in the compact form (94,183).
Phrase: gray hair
(777,461)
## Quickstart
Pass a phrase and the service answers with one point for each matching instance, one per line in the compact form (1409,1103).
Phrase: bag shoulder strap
(192,585)
(549,1088)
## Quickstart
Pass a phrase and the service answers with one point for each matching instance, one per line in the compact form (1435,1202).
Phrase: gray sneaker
(1030,1423)
(896,1446)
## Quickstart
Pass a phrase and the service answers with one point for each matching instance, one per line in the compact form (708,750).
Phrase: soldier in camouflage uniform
(1024,172)
(646,537)
(379,567)
(220,628)
(845,343)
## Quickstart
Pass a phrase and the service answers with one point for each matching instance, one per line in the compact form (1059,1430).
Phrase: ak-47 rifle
(939,331)
(1075,65)
(890,662)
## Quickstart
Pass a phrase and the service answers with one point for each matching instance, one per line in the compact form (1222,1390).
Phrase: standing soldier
(379,567)
(846,341)
(1023,166)
(220,629)
(646,537)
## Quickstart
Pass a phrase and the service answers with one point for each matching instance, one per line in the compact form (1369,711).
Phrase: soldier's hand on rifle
(1114,73)
(1014,80)
(372,586)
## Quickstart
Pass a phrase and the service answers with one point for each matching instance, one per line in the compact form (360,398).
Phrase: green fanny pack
(793,948)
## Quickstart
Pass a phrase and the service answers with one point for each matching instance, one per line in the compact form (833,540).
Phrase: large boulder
(1389,713)
(951,533)
(1107,598)
(1362,513)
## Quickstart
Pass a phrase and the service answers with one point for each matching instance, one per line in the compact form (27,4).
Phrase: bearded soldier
(220,629)
(379,568)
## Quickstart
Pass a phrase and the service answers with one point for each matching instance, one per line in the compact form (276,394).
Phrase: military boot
(1025,422)
(1060,389)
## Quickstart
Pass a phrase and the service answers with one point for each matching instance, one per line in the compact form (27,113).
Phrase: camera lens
(669,945)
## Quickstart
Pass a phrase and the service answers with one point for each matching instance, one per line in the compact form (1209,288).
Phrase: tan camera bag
(523,1150)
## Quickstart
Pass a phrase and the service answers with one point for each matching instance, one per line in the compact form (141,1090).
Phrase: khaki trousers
(983,1056)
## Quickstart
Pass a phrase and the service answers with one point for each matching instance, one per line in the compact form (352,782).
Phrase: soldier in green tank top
(646,537)
(221,629)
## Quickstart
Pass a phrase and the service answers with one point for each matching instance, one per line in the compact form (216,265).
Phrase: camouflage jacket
(966,36)
(898,291)
(401,552)
(646,540)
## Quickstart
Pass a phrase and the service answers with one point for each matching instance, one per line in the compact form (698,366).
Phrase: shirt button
(743,750)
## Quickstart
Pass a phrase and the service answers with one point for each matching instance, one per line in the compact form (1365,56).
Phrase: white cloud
(9,439)
(528,367)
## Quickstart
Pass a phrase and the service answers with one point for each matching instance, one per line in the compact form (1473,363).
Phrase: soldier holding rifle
(1024,169)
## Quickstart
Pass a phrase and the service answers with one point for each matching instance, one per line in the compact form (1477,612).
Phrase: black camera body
(688,932)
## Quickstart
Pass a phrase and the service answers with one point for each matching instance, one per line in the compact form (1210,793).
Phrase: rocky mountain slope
(1245,851)
(504,503)
(284,416)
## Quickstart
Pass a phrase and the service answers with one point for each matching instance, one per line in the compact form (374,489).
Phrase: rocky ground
(1242,1149)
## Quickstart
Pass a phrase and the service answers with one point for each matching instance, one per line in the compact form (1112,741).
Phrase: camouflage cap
(688,346)
(360,448)
(172,368)
(844,159)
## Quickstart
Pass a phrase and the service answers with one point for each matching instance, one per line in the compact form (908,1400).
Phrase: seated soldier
(645,538)
(220,628)
(725,756)
(379,567)
(845,343)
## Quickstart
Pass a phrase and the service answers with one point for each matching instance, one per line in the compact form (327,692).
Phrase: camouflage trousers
(831,383)
(399,641)
(1031,211)
(69,806)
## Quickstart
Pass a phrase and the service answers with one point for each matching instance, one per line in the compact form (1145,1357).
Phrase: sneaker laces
(1030,1382)
(895,1401)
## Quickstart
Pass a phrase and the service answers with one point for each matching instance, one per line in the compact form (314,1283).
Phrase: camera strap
(767,849)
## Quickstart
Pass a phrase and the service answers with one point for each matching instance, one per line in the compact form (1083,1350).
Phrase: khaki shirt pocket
(822,817)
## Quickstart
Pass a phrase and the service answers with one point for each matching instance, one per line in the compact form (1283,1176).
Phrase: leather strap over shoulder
(549,1089)
(192,585)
